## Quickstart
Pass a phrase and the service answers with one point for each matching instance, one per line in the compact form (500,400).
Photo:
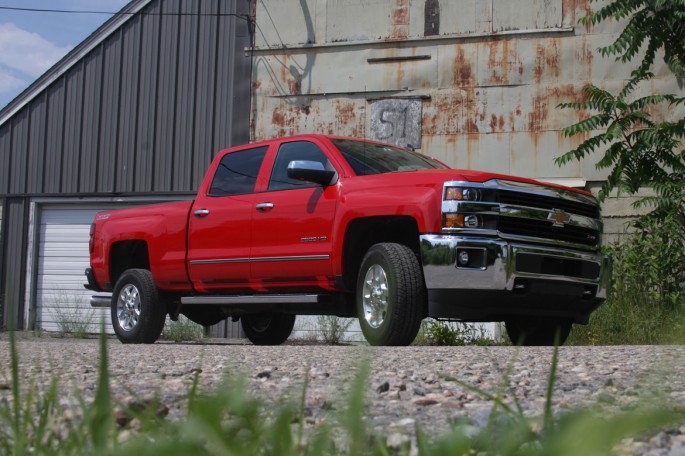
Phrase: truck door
(219,233)
(292,225)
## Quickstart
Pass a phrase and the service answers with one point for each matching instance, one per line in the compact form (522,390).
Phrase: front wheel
(268,329)
(137,314)
(538,331)
(391,296)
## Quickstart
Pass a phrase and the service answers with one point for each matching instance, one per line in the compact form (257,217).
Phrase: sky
(31,42)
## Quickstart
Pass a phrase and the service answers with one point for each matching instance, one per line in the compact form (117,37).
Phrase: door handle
(201,213)
(265,207)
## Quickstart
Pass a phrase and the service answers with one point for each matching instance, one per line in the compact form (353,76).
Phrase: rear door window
(237,172)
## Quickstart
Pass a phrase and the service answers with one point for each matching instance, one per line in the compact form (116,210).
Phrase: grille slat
(546,202)
(545,230)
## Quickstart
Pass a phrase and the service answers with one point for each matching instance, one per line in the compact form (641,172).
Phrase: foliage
(631,322)
(639,151)
(230,421)
(182,330)
(333,328)
(461,334)
(647,300)
(659,23)
(73,321)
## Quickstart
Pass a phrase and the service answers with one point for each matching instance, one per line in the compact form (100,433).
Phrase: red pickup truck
(326,225)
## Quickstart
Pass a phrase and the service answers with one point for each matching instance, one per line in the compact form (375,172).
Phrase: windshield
(370,158)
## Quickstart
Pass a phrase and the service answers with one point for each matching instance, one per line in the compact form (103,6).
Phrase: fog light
(463,258)
(454,220)
(471,221)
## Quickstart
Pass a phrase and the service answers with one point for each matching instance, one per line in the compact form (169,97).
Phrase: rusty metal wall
(489,75)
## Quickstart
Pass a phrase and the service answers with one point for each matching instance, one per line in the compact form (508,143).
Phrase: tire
(537,331)
(391,296)
(205,315)
(137,314)
(268,329)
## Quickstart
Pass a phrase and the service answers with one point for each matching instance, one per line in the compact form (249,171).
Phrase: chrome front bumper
(498,265)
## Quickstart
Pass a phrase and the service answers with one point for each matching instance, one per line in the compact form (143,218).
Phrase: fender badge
(559,217)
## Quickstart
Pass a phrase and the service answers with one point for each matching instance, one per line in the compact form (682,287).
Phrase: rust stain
(538,116)
(504,63)
(568,12)
(294,86)
(463,74)
(400,15)
(278,121)
(585,55)
(399,19)
(583,8)
(442,115)
(547,60)
(349,118)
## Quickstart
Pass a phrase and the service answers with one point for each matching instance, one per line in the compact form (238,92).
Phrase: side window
(237,172)
(298,150)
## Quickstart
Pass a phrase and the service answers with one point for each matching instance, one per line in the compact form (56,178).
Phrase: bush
(646,304)
(442,333)
(182,330)
(333,328)
(69,316)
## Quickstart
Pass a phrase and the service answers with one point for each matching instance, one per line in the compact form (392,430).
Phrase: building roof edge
(72,57)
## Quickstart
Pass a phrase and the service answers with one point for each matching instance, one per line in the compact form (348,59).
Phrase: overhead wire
(118,13)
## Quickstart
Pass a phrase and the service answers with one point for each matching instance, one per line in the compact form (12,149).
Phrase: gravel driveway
(407,384)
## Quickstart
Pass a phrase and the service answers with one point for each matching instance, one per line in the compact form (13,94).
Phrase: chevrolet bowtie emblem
(559,217)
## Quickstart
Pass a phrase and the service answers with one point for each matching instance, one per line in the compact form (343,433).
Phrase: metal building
(132,115)
(475,83)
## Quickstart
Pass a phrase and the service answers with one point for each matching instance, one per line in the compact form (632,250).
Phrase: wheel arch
(362,233)
(129,254)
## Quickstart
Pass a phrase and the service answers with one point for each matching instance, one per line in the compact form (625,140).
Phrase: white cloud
(9,82)
(27,52)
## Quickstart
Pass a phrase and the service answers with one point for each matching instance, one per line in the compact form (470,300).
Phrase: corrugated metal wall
(143,112)
(15,218)
(489,75)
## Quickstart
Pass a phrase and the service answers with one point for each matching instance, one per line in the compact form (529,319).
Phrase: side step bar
(255,299)
(100,301)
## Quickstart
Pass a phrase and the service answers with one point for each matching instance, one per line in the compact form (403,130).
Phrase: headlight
(462,194)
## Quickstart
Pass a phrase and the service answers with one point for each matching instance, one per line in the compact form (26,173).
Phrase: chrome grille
(524,211)
(546,230)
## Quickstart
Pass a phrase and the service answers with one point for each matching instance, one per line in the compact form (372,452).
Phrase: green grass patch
(632,322)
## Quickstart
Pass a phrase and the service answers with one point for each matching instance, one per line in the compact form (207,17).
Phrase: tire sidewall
(380,335)
(151,321)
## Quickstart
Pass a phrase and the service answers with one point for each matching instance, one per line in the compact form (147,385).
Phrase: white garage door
(61,301)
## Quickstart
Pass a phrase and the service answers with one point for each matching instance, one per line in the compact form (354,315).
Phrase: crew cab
(327,225)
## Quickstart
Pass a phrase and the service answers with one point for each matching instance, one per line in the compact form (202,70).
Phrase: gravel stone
(408,387)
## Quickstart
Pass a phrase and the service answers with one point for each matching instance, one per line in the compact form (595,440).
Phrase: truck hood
(436,177)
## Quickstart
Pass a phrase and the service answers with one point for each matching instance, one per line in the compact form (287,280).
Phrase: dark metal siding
(14,221)
(144,111)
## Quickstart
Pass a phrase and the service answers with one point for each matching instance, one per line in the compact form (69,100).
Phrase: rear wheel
(538,331)
(268,328)
(391,297)
(137,314)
